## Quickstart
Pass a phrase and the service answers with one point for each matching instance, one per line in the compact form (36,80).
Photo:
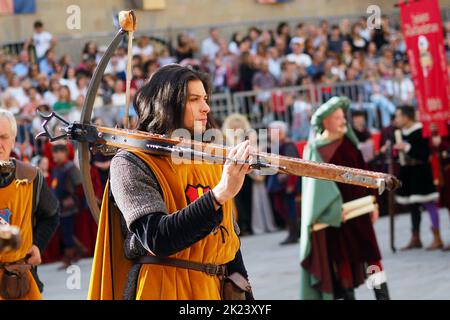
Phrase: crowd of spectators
(254,59)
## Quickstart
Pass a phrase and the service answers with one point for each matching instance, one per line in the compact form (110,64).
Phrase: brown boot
(68,258)
(414,243)
(293,234)
(437,241)
(81,251)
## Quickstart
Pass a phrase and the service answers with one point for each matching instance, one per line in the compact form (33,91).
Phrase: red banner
(6,7)
(423,34)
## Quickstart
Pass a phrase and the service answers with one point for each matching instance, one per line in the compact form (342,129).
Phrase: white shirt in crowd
(76,92)
(121,65)
(403,89)
(301,59)
(72,84)
(146,51)
(50,98)
(210,48)
(233,47)
(275,67)
(119,99)
(339,72)
(74,115)
(366,34)
(18,94)
(42,42)
(301,106)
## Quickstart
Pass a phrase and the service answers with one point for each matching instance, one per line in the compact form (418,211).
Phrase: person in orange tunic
(166,229)
(25,202)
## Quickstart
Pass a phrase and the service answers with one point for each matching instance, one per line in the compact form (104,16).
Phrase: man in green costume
(339,258)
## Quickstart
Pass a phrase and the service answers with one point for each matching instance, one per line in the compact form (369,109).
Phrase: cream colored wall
(96,14)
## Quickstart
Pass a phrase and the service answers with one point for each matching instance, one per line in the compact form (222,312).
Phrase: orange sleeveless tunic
(180,185)
(16,201)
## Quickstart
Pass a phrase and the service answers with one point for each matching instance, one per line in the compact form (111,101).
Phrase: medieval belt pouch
(15,281)
(235,286)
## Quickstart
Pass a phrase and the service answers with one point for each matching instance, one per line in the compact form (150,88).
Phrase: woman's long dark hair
(160,102)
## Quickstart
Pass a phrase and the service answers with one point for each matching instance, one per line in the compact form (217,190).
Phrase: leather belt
(208,268)
(413,162)
(19,265)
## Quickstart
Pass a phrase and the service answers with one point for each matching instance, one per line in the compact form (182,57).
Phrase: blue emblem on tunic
(5,216)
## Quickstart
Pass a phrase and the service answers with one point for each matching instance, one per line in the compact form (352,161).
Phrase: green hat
(326,109)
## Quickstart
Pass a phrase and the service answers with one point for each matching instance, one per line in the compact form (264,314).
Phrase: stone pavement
(274,271)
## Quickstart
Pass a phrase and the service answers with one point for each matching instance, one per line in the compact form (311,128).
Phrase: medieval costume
(335,260)
(26,202)
(283,202)
(443,155)
(262,215)
(440,163)
(157,218)
(66,186)
(418,189)
(244,207)
(85,227)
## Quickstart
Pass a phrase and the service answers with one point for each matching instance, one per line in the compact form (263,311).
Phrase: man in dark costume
(338,258)
(441,149)
(283,188)
(418,189)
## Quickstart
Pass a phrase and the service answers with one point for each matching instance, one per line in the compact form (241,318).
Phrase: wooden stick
(358,203)
(127,21)
(391,197)
(351,215)
(401,153)
(129,75)
(360,211)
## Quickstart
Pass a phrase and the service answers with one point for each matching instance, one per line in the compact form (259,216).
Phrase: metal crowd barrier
(262,107)
(221,105)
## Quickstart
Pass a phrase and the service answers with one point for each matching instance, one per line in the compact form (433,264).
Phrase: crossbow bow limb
(127,21)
